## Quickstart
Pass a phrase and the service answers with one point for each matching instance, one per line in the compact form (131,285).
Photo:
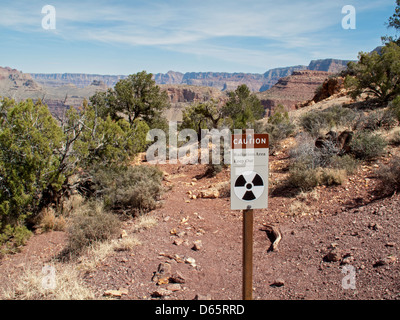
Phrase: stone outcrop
(328,65)
(292,90)
(330,87)
(15,80)
(80,80)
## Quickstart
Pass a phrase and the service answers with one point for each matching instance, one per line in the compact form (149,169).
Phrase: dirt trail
(363,231)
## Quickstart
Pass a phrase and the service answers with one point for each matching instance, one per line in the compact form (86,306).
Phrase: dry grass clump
(99,251)
(144,222)
(90,224)
(31,285)
(49,221)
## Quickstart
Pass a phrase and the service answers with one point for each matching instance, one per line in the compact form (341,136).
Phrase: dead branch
(274,235)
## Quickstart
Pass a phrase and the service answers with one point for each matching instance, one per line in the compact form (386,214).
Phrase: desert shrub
(131,189)
(306,152)
(303,177)
(389,176)
(311,166)
(49,220)
(279,127)
(91,224)
(367,145)
(394,106)
(315,122)
(395,138)
(380,119)
(306,178)
(331,177)
(345,162)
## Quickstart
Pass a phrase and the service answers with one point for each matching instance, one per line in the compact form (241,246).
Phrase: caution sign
(249,171)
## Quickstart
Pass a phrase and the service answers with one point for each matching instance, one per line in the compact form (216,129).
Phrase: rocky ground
(337,243)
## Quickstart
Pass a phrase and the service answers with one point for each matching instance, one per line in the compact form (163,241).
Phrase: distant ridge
(220,80)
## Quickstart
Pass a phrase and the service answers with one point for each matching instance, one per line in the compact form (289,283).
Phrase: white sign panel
(249,171)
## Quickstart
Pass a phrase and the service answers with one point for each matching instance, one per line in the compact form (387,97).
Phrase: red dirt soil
(351,218)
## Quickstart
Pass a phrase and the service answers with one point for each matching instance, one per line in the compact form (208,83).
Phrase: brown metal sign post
(249,191)
(248,221)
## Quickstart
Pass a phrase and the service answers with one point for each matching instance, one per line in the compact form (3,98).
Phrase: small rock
(163,271)
(333,256)
(174,287)
(177,278)
(124,291)
(184,220)
(166,219)
(181,234)
(164,280)
(178,242)
(374,226)
(113,293)
(197,245)
(191,261)
(348,259)
(123,234)
(333,245)
(386,261)
(209,194)
(278,283)
(390,244)
(161,293)
(203,297)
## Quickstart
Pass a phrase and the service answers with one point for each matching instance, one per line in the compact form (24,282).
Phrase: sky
(125,37)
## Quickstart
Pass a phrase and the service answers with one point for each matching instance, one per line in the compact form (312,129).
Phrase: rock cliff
(292,90)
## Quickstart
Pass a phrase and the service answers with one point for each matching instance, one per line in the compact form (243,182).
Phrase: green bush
(279,127)
(315,122)
(394,106)
(29,137)
(367,145)
(91,224)
(134,189)
(12,238)
(376,74)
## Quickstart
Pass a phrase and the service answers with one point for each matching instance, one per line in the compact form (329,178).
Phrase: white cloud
(195,27)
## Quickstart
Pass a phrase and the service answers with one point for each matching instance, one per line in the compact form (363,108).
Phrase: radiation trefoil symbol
(249,186)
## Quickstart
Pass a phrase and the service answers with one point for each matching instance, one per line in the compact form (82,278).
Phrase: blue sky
(125,37)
